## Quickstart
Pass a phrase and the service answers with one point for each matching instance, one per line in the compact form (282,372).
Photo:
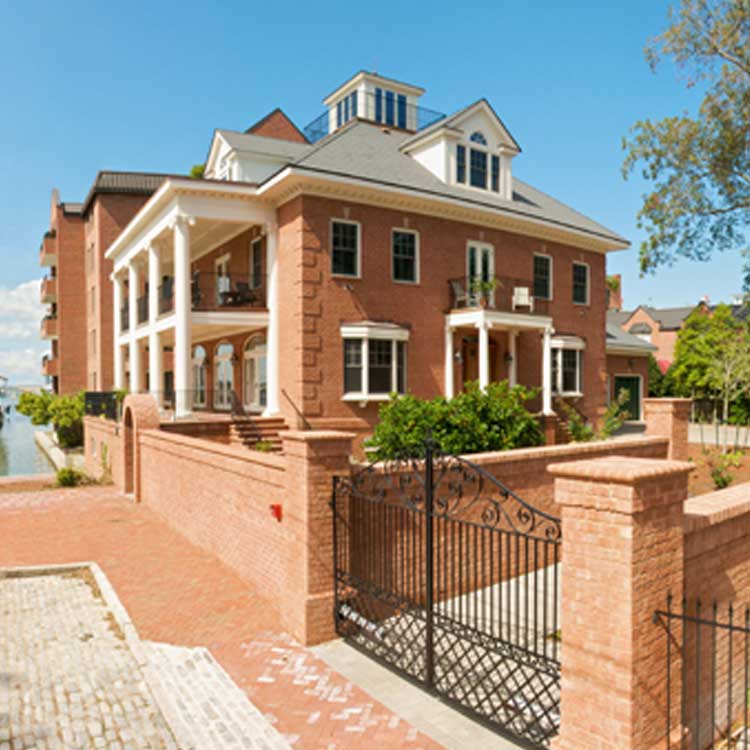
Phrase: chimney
(614,292)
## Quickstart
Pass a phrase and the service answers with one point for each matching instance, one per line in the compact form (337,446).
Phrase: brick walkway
(176,593)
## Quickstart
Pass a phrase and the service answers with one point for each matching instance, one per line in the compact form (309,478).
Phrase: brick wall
(103,450)
(316,304)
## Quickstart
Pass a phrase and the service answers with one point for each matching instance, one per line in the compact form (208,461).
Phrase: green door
(631,384)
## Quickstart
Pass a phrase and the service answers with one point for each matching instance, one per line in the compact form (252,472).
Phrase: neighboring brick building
(78,288)
(390,249)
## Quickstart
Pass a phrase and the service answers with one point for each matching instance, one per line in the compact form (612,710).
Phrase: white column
(484,355)
(119,375)
(136,382)
(183,402)
(155,373)
(272,338)
(449,366)
(547,372)
(512,349)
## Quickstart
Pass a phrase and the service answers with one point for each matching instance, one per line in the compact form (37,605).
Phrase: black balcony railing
(375,108)
(142,311)
(499,293)
(166,295)
(211,291)
(125,318)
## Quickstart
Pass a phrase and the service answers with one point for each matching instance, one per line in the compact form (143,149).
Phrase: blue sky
(89,86)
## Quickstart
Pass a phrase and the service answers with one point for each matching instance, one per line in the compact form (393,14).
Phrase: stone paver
(70,678)
(179,594)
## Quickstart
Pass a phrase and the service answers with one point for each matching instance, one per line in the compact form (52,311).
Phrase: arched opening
(223,375)
(129,438)
(199,377)
(254,374)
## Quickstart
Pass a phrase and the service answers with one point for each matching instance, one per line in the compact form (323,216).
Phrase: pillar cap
(620,469)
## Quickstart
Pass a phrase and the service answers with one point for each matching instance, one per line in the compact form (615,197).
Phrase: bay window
(374,360)
(567,366)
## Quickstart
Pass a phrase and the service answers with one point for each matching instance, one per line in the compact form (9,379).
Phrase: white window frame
(417,271)
(383,332)
(199,363)
(588,282)
(357,224)
(255,242)
(551,276)
(481,247)
(567,343)
(226,258)
(259,352)
(217,360)
(468,145)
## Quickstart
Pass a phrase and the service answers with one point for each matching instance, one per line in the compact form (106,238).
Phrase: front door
(632,385)
(470,357)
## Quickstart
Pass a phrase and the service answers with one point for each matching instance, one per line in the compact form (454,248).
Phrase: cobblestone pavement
(70,679)
(178,594)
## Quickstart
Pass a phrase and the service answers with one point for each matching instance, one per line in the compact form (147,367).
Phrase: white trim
(417,256)
(217,360)
(551,277)
(258,353)
(499,320)
(372,330)
(588,283)
(336,220)
(568,342)
(640,391)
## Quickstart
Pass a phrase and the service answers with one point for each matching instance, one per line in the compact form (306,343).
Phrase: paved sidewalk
(178,594)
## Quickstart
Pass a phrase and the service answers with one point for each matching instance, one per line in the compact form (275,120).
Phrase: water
(18,451)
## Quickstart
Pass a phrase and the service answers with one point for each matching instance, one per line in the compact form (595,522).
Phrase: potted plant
(481,290)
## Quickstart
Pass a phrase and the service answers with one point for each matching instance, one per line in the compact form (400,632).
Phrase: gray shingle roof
(132,183)
(365,151)
(669,318)
(618,317)
(619,339)
(275,146)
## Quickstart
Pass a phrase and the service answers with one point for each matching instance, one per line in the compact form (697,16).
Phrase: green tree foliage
(197,171)
(64,413)
(661,384)
(699,165)
(475,420)
(581,431)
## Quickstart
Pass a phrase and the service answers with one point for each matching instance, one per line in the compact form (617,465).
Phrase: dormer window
(483,166)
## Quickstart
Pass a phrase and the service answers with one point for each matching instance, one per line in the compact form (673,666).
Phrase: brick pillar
(622,552)
(670,418)
(313,458)
(549,423)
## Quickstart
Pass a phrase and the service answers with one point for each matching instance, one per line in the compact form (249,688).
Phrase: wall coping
(210,447)
(717,507)
(103,424)
(309,436)
(620,469)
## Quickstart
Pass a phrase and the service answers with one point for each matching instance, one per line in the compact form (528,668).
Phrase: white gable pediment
(481,118)
(217,156)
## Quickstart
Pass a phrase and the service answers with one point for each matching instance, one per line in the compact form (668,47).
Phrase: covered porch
(195,287)
(482,344)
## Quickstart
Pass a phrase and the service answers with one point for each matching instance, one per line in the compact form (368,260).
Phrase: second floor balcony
(47,252)
(48,290)
(50,366)
(49,327)
(212,292)
(499,293)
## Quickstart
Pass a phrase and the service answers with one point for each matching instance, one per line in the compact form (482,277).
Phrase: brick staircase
(249,431)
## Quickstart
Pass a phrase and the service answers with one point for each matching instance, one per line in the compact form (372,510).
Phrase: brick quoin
(622,552)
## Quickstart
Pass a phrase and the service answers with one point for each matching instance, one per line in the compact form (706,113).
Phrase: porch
(197,286)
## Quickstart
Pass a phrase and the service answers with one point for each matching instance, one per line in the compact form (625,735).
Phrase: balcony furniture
(246,295)
(460,297)
(195,290)
(522,298)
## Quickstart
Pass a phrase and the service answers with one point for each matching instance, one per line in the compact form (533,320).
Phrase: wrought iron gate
(449,578)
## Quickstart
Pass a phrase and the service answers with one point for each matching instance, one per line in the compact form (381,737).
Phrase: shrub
(582,432)
(69,477)
(476,420)
(65,413)
(722,466)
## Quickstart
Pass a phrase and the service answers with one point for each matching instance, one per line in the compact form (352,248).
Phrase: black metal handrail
(305,424)
(215,291)
(412,117)
(502,293)
(166,295)
(142,309)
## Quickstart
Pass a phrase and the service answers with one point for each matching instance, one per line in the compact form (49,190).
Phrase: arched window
(199,376)
(478,137)
(254,378)
(223,376)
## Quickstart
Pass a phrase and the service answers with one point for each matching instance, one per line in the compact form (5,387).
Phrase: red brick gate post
(622,552)
(669,418)
(313,458)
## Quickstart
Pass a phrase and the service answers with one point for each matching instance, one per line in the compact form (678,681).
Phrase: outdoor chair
(245,295)
(522,298)
(459,293)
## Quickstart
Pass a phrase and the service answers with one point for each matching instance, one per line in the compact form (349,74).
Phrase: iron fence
(708,675)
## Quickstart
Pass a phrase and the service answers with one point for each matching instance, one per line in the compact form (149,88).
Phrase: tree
(694,350)
(699,166)
(197,171)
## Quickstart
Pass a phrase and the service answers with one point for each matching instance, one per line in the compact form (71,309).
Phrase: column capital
(269,227)
(182,220)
